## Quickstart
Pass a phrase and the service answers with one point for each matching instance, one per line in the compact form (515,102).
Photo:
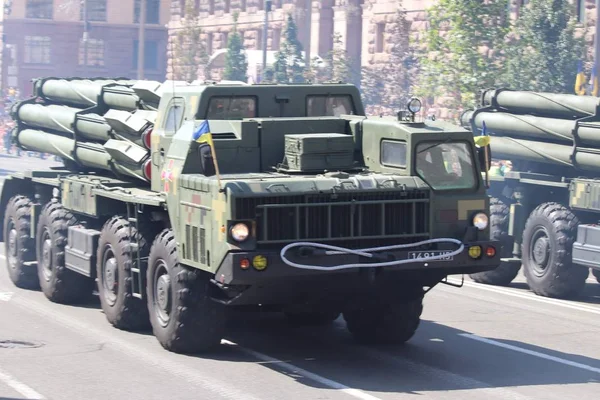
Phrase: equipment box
(308,162)
(319,143)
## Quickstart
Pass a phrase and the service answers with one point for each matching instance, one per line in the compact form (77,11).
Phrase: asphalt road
(476,342)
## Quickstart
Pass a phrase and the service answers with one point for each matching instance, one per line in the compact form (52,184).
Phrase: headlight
(480,220)
(240,232)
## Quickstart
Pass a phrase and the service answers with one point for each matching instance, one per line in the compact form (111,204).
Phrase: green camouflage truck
(184,202)
(545,210)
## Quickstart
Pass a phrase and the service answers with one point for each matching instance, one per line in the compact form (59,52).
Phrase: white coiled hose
(368,253)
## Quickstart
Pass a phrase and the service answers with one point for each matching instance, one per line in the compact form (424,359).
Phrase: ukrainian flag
(580,80)
(484,139)
(203,135)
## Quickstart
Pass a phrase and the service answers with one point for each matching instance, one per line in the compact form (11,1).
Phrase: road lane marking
(157,360)
(20,387)
(6,296)
(532,353)
(300,371)
(540,299)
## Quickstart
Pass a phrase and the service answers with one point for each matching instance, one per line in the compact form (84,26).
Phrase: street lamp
(267,8)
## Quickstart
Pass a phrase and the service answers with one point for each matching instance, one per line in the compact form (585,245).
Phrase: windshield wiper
(433,145)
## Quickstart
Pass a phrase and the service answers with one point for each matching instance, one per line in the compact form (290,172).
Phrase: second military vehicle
(546,210)
(182,202)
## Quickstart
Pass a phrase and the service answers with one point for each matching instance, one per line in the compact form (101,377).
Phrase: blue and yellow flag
(203,135)
(484,139)
(580,80)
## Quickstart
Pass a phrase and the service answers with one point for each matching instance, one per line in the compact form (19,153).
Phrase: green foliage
(236,64)
(187,49)
(338,65)
(544,50)
(288,67)
(462,49)
(391,85)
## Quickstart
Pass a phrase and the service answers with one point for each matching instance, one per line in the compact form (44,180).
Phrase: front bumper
(230,271)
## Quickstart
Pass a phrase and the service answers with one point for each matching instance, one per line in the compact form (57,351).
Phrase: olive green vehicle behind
(546,209)
(295,202)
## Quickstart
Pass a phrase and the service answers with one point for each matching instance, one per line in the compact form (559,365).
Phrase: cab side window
(174,116)
(393,154)
(332,106)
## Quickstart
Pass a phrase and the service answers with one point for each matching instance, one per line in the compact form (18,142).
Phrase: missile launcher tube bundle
(70,123)
(556,129)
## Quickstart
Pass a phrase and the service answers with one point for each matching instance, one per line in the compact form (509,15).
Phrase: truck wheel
(596,273)
(59,284)
(506,271)
(19,247)
(183,316)
(114,274)
(314,318)
(547,245)
(385,323)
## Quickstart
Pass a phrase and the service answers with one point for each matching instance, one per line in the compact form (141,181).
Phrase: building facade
(45,38)
(365,26)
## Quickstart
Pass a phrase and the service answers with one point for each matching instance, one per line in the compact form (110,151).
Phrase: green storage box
(319,143)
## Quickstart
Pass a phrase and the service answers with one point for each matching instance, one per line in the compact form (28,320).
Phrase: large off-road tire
(59,284)
(506,271)
(311,318)
(547,246)
(393,323)
(113,269)
(19,247)
(183,316)
(596,273)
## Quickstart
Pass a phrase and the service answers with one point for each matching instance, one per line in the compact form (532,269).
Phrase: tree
(402,68)
(236,64)
(462,50)
(288,67)
(544,50)
(188,51)
(338,65)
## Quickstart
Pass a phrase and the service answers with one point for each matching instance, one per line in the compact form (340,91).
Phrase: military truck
(545,210)
(185,203)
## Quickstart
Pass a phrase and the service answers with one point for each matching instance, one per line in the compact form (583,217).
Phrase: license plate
(423,255)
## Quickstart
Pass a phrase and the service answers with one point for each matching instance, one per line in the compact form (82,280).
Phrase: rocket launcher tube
(538,128)
(91,155)
(83,93)
(547,153)
(568,106)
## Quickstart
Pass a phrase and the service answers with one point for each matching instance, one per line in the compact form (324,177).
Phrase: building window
(209,44)
(227,6)
(243,5)
(152,12)
(581,11)
(259,39)
(39,9)
(275,39)
(224,39)
(37,50)
(379,38)
(96,10)
(95,52)
(211,6)
(150,55)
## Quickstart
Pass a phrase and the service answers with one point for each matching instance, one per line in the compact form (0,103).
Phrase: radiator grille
(370,219)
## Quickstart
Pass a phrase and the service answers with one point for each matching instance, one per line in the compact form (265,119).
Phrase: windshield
(446,165)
